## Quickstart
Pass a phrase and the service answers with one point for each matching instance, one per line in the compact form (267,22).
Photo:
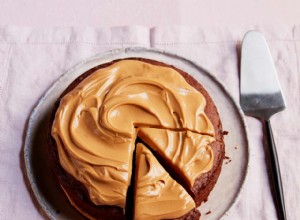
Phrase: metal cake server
(261,97)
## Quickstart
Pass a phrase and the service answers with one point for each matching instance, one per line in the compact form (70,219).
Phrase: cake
(135,108)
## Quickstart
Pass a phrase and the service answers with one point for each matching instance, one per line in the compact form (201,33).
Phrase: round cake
(136,139)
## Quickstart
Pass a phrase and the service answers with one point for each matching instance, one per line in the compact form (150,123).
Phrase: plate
(49,195)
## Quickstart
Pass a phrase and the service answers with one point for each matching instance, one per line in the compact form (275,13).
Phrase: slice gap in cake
(157,195)
(184,154)
(130,204)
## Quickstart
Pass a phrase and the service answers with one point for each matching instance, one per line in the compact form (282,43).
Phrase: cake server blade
(261,97)
(261,94)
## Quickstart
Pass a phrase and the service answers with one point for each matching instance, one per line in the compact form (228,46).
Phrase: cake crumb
(225,132)
(207,213)
(228,160)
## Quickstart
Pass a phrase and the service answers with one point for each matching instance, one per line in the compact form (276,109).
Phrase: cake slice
(157,195)
(187,154)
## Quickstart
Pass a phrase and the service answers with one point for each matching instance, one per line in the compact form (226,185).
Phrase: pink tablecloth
(32,59)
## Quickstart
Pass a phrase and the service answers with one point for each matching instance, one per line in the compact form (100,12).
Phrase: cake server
(261,97)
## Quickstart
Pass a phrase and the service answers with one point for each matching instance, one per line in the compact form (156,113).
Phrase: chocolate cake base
(76,191)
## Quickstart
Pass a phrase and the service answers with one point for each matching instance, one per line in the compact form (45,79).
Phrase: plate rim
(33,115)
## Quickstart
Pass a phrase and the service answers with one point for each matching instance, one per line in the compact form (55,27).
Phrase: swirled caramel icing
(96,123)
(186,151)
(157,195)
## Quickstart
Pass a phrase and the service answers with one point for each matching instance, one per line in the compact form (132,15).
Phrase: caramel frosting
(187,151)
(96,123)
(157,195)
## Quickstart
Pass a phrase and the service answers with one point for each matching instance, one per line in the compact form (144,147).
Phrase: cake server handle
(275,173)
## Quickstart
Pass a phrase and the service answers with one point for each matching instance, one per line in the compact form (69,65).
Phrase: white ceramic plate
(49,195)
